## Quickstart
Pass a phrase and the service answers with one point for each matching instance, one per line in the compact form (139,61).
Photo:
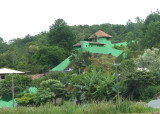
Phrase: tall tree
(61,35)
(152,35)
(3,46)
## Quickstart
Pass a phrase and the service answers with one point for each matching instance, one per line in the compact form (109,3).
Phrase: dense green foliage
(137,81)
(60,34)
(27,99)
(49,90)
(38,53)
(47,49)
(151,91)
(36,82)
(20,84)
(80,60)
(62,77)
(93,85)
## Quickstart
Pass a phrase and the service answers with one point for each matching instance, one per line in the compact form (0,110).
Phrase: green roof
(62,65)
(104,50)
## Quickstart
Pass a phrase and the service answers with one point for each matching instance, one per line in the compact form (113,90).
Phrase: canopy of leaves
(80,60)
(20,84)
(49,90)
(94,85)
(137,81)
(150,60)
(61,35)
(45,50)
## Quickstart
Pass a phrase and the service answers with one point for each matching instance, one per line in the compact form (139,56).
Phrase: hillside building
(100,43)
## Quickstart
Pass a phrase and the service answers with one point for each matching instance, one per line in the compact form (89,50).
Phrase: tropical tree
(3,46)
(152,36)
(80,60)
(61,35)
(93,85)
(49,55)
(49,90)
(64,78)
(150,60)
(136,82)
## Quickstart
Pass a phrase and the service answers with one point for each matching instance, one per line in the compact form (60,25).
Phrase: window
(2,77)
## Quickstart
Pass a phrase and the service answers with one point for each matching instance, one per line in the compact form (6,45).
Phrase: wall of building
(105,41)
(106,49)
(85,44)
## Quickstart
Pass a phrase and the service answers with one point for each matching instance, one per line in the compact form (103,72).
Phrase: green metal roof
(62,65)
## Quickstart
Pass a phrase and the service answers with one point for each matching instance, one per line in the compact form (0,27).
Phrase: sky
(21,17)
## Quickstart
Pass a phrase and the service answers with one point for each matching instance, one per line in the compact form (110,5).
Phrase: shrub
(137,81)
(151,91)
(48,91)
(62,77)
(36,82)
(94,85)
(27,99)
(97,68)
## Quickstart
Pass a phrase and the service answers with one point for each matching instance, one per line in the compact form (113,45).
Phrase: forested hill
(45,50)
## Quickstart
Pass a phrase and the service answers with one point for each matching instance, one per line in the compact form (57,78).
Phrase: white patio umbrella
(5,71)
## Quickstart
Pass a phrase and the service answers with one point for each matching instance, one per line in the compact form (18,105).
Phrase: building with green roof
(100,43)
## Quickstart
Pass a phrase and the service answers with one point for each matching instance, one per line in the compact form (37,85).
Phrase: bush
(62,77)
(27,99)
(136,82)
(97,68)
(36,82)
(49,90)
(151,91)
(94,85)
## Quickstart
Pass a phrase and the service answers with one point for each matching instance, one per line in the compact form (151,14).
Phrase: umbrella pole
(13,89)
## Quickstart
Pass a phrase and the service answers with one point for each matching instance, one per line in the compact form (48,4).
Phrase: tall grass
(103,107)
